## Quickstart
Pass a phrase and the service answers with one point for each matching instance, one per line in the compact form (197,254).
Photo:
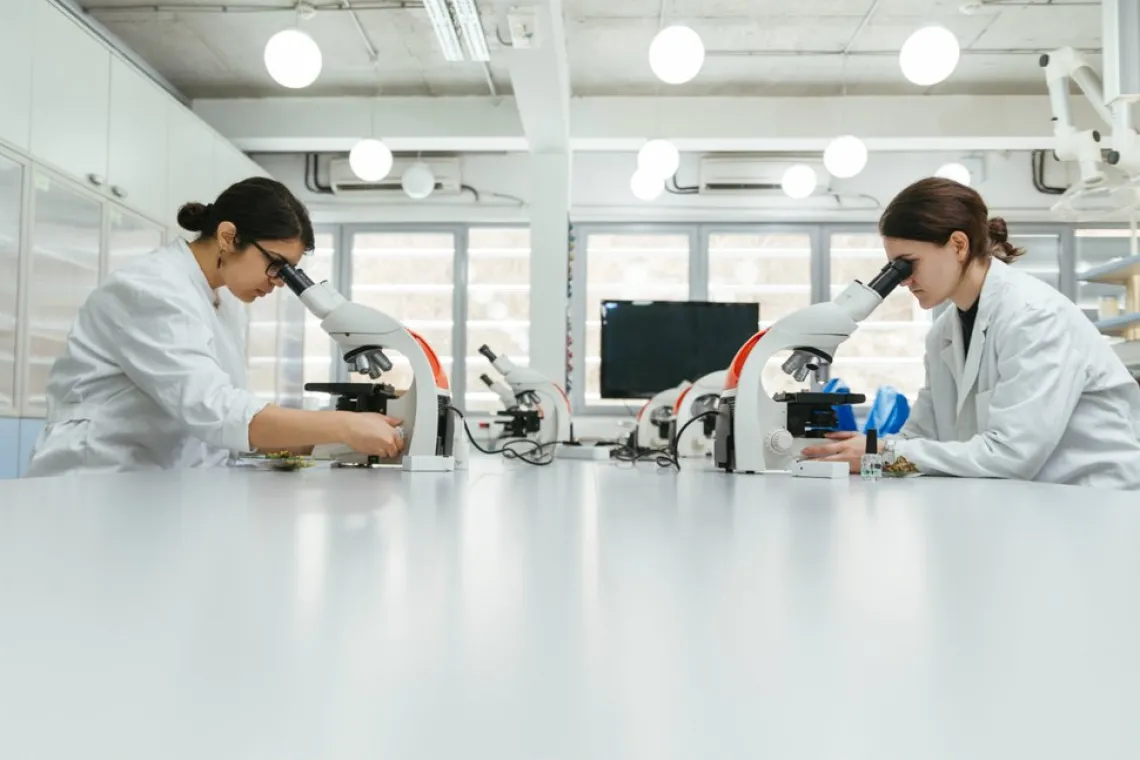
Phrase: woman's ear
(960,244)
(225,235)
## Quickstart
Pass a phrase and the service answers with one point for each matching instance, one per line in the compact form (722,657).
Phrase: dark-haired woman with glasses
(153,374)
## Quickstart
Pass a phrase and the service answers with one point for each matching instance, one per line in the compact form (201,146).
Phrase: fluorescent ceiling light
(472,26)
(444,30)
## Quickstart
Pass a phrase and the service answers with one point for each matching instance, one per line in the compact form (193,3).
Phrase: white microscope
(654,429)
(535,408)
(363,334)
(756,432)
(696,440)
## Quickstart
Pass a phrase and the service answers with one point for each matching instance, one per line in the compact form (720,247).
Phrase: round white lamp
(845,156)
(799,181)
(646,186)
(676,54)
(929,55)
(954,171)
(418,181)
(371,160)
(293,59)
(659,158)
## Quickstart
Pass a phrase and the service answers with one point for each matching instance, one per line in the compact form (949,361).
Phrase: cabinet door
(190,164)
(64,269)
(11,214)
(129,236)
(136,171)
(16,30)
(70,96)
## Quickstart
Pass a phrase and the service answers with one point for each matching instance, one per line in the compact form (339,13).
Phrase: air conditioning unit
(344,182)
(756,174)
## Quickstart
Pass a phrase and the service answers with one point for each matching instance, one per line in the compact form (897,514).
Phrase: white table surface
(577,611)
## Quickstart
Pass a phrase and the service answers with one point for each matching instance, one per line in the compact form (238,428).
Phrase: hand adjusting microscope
(756,432)
(363,334)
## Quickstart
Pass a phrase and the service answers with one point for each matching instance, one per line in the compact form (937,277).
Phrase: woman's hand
(373,434)
(849,447)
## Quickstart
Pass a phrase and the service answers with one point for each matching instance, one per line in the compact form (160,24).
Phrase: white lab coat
(152,377)
(1041,396)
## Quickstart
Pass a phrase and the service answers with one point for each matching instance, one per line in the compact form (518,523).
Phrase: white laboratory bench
(582,611)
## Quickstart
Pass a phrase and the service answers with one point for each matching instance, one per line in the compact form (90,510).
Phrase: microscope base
(428,463)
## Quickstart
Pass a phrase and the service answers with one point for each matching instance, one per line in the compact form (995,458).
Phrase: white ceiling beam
(540,78)
(483,124)
(301,125)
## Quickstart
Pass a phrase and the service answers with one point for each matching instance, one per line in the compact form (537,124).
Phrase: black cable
(1037,159)
(677,438)
(672,187)
(312,182)
(506,451)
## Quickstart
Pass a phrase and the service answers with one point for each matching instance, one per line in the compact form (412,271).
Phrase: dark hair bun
(999,236)
(194,217)
(999,232)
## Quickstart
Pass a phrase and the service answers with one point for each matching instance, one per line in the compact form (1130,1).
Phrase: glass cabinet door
(64,269)
(129,236)
(11,207)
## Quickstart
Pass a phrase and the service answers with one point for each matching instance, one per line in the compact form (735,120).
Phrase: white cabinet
(137,148)
(128,237)
(230,164)
(71,73)
(67,228)
(16,38)
(190,163)
(11,215)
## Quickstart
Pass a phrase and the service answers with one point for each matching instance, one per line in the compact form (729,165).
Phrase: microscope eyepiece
(295,278)
(890,276)
(487,352)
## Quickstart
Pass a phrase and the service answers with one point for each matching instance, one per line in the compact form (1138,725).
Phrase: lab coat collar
(973,361)
(194,271)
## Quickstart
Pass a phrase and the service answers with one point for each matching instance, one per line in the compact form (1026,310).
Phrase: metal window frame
(343,270)
(582,234)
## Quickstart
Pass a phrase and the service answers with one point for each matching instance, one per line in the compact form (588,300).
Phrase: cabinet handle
(95,180)
(118,192)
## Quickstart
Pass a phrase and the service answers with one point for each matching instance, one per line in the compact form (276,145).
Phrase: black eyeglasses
(276,261)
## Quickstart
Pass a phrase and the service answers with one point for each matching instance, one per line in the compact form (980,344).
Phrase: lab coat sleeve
(1040,378)
(164,347)
(920,423)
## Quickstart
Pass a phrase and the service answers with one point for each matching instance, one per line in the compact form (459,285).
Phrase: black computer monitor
(648,346)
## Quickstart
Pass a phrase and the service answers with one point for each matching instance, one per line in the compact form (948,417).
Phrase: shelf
(1117,325)
(1115,272)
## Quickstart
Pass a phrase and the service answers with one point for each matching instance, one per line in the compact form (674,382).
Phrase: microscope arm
(1062,67)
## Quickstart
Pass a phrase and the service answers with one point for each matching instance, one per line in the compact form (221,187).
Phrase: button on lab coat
(1040,396)
(153,375)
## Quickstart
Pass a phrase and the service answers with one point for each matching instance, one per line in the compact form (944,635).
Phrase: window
(498,306)
(889,346)
(624,266)
(1042,257)
(773,270)
(409,275)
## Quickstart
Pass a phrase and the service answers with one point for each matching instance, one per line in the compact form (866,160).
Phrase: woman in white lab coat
(153,373)
(1019,383)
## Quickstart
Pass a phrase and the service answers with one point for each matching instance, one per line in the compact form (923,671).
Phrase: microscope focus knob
(780,441)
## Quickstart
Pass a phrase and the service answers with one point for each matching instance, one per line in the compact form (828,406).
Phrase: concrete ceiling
(755,47)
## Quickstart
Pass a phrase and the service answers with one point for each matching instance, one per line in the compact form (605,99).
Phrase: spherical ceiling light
(799,181)
(845,156)
(418,181)
(371,160)
(676,54)
(659,158)
(646,186)
(929,55)
(956,172)
(293,59)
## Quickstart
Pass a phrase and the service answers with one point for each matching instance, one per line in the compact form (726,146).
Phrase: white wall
(600,191)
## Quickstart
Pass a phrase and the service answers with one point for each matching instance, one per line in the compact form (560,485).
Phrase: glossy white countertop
(585,611)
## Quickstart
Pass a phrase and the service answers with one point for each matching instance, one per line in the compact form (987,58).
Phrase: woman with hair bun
(153,373)
(1019,383)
